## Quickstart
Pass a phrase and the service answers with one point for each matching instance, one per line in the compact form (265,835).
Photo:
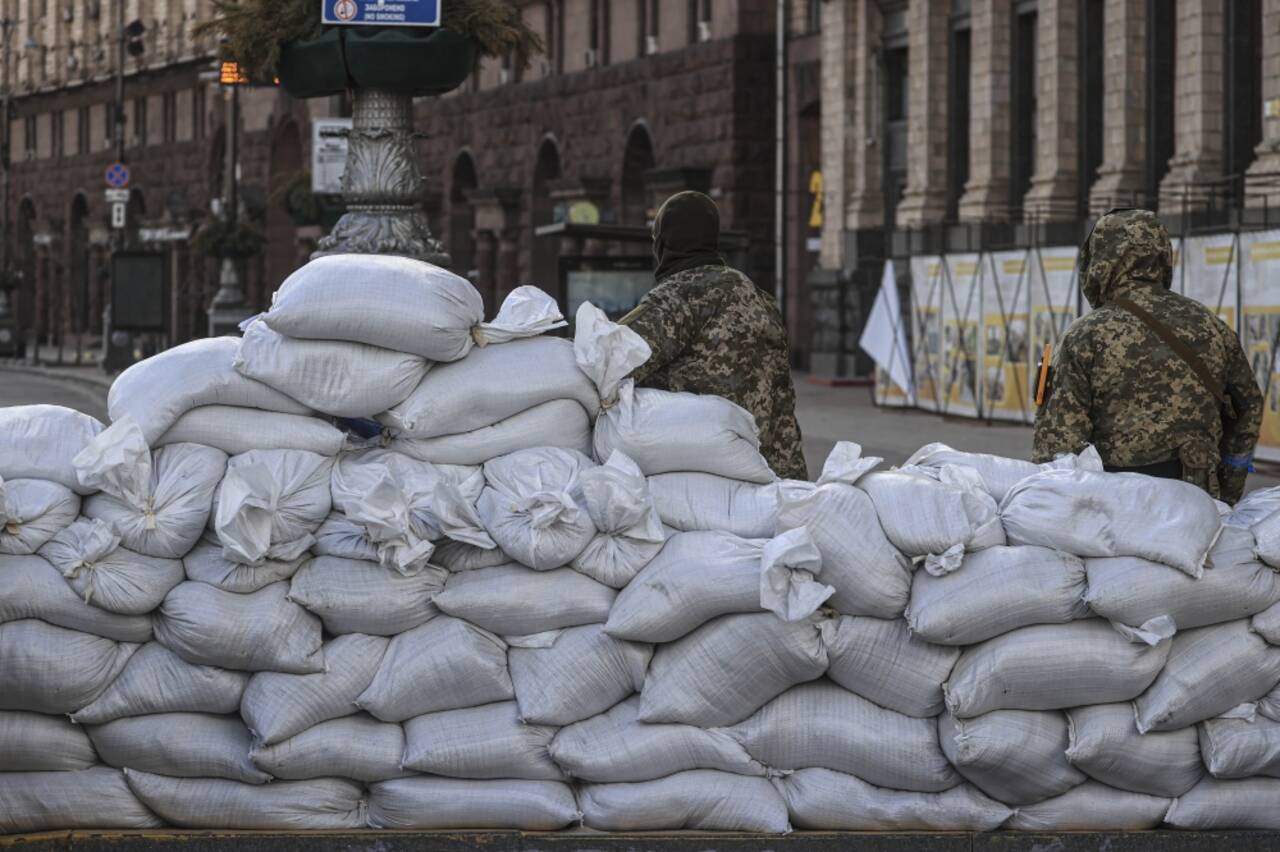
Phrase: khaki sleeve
(1063,423)
(666,321)
(1246,398)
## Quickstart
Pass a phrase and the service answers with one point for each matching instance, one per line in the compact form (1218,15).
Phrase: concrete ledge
(591,841)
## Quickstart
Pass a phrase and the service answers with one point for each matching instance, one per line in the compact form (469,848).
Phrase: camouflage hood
(1127,249)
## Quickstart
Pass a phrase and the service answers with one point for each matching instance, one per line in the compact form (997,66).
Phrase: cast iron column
(382,185)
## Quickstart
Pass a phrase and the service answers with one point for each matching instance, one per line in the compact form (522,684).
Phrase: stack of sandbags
(543,597)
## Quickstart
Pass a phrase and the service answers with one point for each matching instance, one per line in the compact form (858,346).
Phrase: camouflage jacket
(1117,386)
(712,331)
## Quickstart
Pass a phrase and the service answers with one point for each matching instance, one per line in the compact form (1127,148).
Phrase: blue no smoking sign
(402,13)
(117,175)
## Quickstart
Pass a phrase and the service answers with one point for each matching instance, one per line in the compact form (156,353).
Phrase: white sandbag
(89,555)
(33,588)
(1105,745)
(428,803)
(270,502)
(1266,529)
(998,474)
(697,800)
(32,511)
(663,432)
(821,724)
(616,746)
(559,423)
(490,385)
(34,742)
(340,536)
(156,680)
(441,665)
(158,503)
(158,391)
(701,575)
(334,377)
(1249,803)
(584,672)
(629,531)
(39,442)
(181,745)
(1236,748)
(1051,666)
(401,304)
(1092,807)
(239,430)
(50,669)
(869,575)
(824,800)
(262,631)
(1092,515)
(881,661)
(1210,670)
(533,506)
(512,600)
(352,596)
(328,803)
(1269,705)
(93,798)
(940,517)
(1015,756)
(703,501)
(207,564)
(278,706)
(357,747)
(458,556)
(729,668)
(406,505)
(997,590)
(488,741)
(1232,586)
(1267,624)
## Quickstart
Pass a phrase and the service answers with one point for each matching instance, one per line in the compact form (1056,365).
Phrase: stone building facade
(960,125)
(633,100)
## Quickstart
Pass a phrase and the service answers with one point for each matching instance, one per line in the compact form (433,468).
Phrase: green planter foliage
(218,239)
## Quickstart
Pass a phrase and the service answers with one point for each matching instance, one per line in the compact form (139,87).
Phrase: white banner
(885,339)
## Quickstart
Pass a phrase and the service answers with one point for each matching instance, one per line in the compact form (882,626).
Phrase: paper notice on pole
(884,338)
(328,154)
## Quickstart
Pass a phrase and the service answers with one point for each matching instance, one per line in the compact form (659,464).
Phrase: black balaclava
(686,233)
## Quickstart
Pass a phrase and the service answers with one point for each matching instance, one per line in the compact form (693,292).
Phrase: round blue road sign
(117,175)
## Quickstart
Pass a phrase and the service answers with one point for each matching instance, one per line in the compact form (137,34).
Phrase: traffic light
(133,38)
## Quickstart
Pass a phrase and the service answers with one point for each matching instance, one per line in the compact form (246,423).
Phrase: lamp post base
(382,185)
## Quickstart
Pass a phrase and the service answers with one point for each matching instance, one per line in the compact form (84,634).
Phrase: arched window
(637,158)
(462,216)
(545,267)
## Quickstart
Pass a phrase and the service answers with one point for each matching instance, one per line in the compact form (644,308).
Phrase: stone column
(925,199)
(1200,88)
(852,138)
(1263,182)
(1122,176)
(986,195)
(1052,197)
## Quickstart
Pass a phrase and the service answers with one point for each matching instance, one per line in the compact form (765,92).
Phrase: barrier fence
(976,323)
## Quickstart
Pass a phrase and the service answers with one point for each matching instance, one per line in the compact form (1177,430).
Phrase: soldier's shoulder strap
(1181,349)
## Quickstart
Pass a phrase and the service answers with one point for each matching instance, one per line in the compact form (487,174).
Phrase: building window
(1243,118)
(813,17)
(598,34)
(169,107)
(29,136)
(895,91)
(699,21)
(958,91)
(140,121)
(197,112)
(83,145)
(1023,98)
(1162,70)
(55,134)
(1090,104)
(648,29)
(550,45)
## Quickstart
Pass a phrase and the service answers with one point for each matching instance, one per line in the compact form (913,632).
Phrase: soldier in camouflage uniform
(1118,385)
(713,331)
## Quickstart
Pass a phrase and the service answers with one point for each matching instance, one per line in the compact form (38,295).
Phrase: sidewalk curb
(85,377)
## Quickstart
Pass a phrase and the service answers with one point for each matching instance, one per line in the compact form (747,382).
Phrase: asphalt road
(18,388)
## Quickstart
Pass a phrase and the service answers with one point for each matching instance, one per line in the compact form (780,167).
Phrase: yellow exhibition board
(961,319)
(928,283)
(1005,339)
(1260,327)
